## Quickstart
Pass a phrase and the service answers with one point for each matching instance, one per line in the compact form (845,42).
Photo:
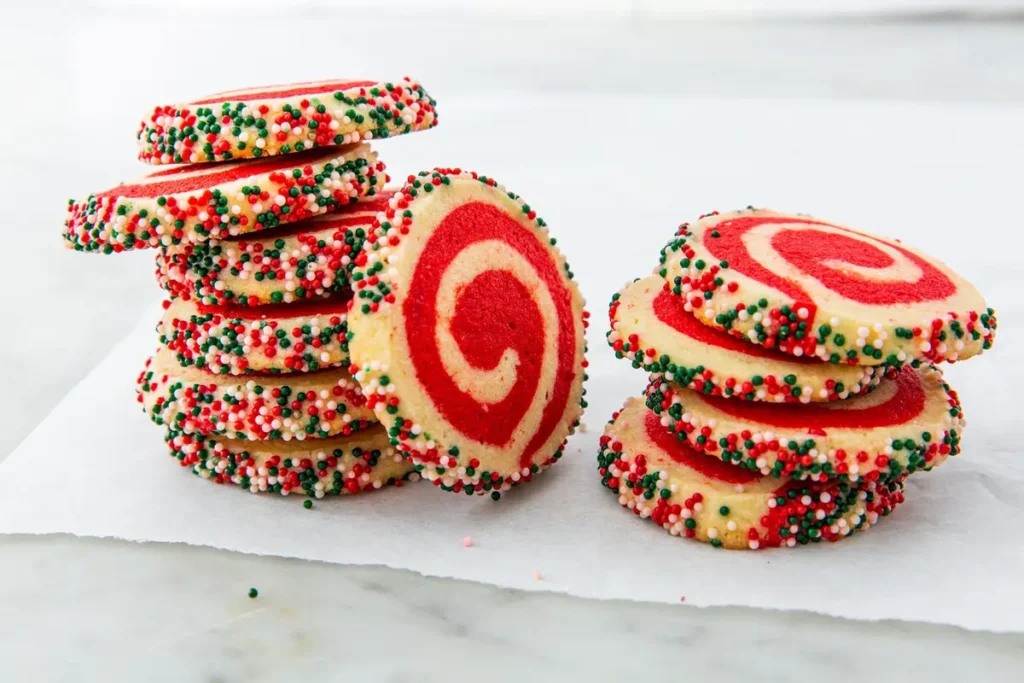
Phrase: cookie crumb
(253,593)
(467,541)
(537,576)
(583,428)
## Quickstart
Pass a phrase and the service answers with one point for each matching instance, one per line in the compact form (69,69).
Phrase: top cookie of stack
(810,287)
(753,316)
(283,119)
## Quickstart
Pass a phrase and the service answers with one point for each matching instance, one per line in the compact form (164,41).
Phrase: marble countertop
(87,609)
(74,609)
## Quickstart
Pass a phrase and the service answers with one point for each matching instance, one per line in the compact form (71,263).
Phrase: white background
(653,8)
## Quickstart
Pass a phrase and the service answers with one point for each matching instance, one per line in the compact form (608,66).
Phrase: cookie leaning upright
(467,332)
(811,287)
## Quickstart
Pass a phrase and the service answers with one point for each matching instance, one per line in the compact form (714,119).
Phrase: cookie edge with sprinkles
(468,477)
(221,272)
(111,223)
(796,387)
(899,345)
(195,337)
(811,457)
(157,391)
(238,138)
(653,494)
(263,474)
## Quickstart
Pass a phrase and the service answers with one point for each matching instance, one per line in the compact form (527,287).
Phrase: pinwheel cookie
(297,406)
(811,287)
(690,494)
(239,340)
(467,332)
(214,201)
(364,461)
(911,421)
(650,327)
(283,119)
(310,259)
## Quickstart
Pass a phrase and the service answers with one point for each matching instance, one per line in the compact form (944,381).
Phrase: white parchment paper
(942,180)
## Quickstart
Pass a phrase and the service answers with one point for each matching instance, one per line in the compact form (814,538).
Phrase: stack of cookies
(794,382)
(325,334)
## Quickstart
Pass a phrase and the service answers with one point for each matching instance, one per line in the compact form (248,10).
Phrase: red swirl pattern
(808,249)
(494,312)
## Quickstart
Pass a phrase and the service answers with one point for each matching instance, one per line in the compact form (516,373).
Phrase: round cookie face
(307,405)
(810,287)
(311,259)
(689,494)
(911,421)
(467,333)
(650,327)
(240,340)
(283,119)
(339,465)
(213,201)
